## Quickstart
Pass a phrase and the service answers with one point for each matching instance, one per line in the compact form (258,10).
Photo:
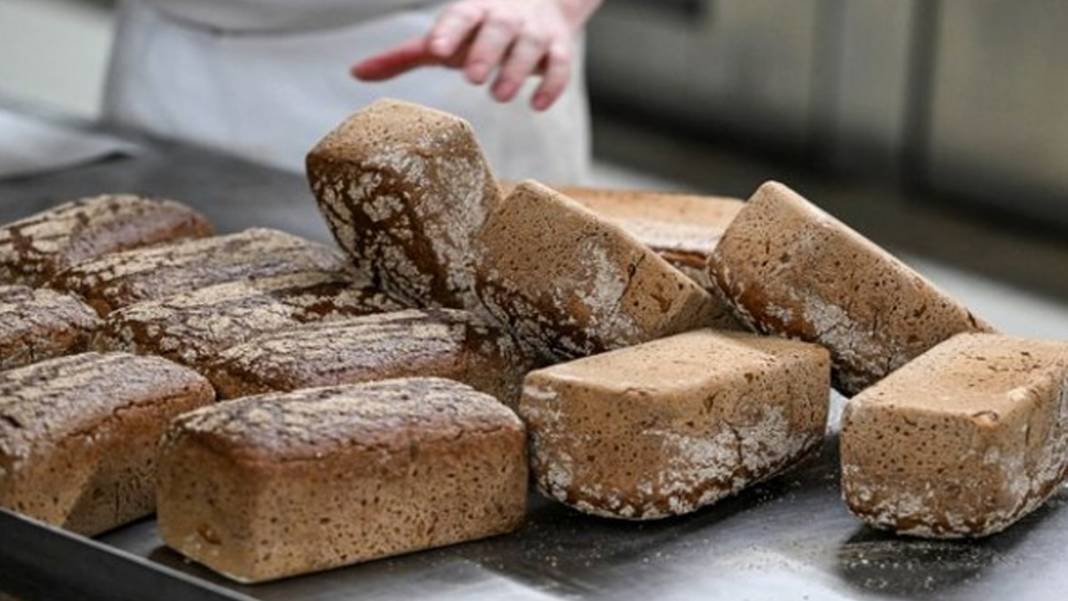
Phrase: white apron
(264,79)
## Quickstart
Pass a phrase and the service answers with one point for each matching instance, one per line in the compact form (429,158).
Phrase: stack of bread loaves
(642,355)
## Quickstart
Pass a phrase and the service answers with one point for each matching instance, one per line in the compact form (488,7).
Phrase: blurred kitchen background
(936,127)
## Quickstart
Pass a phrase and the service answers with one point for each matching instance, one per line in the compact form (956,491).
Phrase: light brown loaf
(276,485)
(570,284)
(443,343)
(122,279)
(790,269)
(38,324)
(78,436)
(192,328)
(405,188)
(666,427)
(963,441)
(34,249)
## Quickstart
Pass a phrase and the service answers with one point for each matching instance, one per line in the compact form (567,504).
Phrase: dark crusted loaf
(38,324)
(34,249)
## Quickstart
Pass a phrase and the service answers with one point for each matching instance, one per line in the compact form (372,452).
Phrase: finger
(521,62)
(492,41)
(395,61)
(455,25)
(555,80)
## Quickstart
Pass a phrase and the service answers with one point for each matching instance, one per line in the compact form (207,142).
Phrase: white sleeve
(279,15)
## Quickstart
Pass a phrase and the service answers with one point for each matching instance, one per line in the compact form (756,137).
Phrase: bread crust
(443,343)
(961,442)
(192,328)
(790,269)
(39,324)
(276,485)
(78,436)
(118,280)
(34,249)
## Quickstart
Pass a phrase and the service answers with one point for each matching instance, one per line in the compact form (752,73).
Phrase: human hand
(515,39)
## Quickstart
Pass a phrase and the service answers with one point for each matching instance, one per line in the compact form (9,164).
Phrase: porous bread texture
(34,249)
(569,284)
(666,427)
(404,189)
(39,324)
(444,343)
(276,485)
(192,328)
(78,436)
(122,279)
(961,442)
(790,269)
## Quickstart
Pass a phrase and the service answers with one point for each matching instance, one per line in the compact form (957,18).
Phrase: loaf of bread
(962,441)
(270,486)
(444,343)
(34,249)
(122,279)
(192,328)
(39,324)
(405,189)
(666,427)
(79,434)
(790,269)
(570,284)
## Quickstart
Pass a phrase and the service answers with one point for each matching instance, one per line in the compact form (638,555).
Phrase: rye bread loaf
(444,343)
(192,328)
(666,427)
(570,284)
(39,324)
(790,269)
(34,249)
(405,189)
(79,434)
(270,486)
(962,441)
(122,279)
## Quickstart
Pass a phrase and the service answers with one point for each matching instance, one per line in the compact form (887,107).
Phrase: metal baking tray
(788,538)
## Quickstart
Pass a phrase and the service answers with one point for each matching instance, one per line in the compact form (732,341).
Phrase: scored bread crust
(281,484)
(192,328)
(443,343)
(39,324)
(78,436)
(790,269)
(35,248)
(122,279)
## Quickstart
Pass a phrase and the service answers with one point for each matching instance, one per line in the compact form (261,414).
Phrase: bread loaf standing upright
(444,343)
(79,435)
(570,284)
(192,328)
(34,249)
(281,484)
(790,269)
(38,324)
(122,279)
(963,441)
(405,188)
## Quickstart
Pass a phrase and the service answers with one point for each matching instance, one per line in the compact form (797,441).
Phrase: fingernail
(503,91)
(541,102)
(477,72)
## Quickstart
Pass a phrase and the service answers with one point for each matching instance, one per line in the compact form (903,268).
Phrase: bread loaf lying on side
(961,442)
(570,284)
(192,328)
(666,427)
(443,343)
(78,436)
(122,279)
(39,324)
(405,189)
(281,484)
(790,269)
(34,249)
